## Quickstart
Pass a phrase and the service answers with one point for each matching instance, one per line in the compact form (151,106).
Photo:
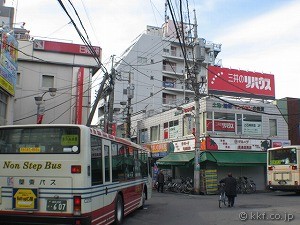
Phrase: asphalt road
(272,208)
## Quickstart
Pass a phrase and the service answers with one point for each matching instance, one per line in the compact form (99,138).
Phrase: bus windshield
(285,156)
(40,140)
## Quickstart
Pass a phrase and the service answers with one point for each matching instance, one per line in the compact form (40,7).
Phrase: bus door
(107,170)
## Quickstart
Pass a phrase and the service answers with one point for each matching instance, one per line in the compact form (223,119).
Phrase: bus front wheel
(144,197)
(119,210)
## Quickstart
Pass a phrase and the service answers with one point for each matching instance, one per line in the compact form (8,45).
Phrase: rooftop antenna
(16,11)
(195,25)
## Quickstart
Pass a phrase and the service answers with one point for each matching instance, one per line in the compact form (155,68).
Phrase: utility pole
(111,98)
(130,93)
(199,57)
(99,95)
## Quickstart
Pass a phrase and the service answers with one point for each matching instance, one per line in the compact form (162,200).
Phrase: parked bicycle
(245,185)
(223,200)
(181,185)
(187,186)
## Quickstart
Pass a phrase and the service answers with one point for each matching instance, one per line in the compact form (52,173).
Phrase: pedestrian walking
(161,181)
(230,188)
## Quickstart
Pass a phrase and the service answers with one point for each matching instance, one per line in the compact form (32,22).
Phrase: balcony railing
(169,84)
(169,101)
(173,69)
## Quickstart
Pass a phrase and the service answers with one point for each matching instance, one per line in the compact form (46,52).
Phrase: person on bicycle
(230,188)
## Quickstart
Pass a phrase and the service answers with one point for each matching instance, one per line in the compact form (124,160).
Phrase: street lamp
(40,107)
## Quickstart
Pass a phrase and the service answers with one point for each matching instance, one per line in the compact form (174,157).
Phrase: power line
(92,50)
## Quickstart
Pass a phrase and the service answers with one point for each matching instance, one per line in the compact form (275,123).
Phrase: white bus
(69,174)
(283,168)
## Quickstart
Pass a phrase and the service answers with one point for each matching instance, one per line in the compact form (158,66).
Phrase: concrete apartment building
(151,74)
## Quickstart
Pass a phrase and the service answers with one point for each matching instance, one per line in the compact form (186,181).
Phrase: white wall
(61,107)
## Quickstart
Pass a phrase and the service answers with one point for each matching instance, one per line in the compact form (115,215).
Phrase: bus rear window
(40,140)
(285,156)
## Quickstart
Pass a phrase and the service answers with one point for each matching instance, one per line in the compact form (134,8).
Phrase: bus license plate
(56,205)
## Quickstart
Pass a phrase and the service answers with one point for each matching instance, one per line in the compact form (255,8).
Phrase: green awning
(229,158)
(222,158)
(176,159)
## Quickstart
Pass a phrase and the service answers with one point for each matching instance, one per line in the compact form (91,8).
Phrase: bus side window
(96,161)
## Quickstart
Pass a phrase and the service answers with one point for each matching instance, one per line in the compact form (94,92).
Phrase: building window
(252,124)
(173,51)
(273,127)
(169,99)
(154,133)
(47,81)
(18,79)
(221,122)
(166,130)
(3,108)
(174,129)
(239,123)
(171,129)
(169,66)
(188,124)
(143,136)
(142,60)
(224,116)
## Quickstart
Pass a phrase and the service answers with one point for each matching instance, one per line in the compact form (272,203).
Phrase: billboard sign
(233,82)
(242,144)
(8,62)
(186,145)
(220,125)
(52,46)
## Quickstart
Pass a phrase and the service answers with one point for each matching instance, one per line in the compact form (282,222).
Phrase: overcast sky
(256,35)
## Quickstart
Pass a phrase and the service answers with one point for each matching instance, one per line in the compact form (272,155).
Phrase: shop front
(214,165)
(250,164)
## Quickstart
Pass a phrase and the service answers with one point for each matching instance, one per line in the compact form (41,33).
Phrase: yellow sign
(25,199)
(275,162)
(7,86)
(30,149)
(67,140)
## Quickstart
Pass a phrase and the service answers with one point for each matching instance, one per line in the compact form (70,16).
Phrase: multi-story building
(6,15)
(152,76)
(8,64)
(43,81)
(45,66)
(290,108)
(234,131)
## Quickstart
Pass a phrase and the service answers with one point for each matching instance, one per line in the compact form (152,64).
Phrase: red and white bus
(69,174)
(283,172)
